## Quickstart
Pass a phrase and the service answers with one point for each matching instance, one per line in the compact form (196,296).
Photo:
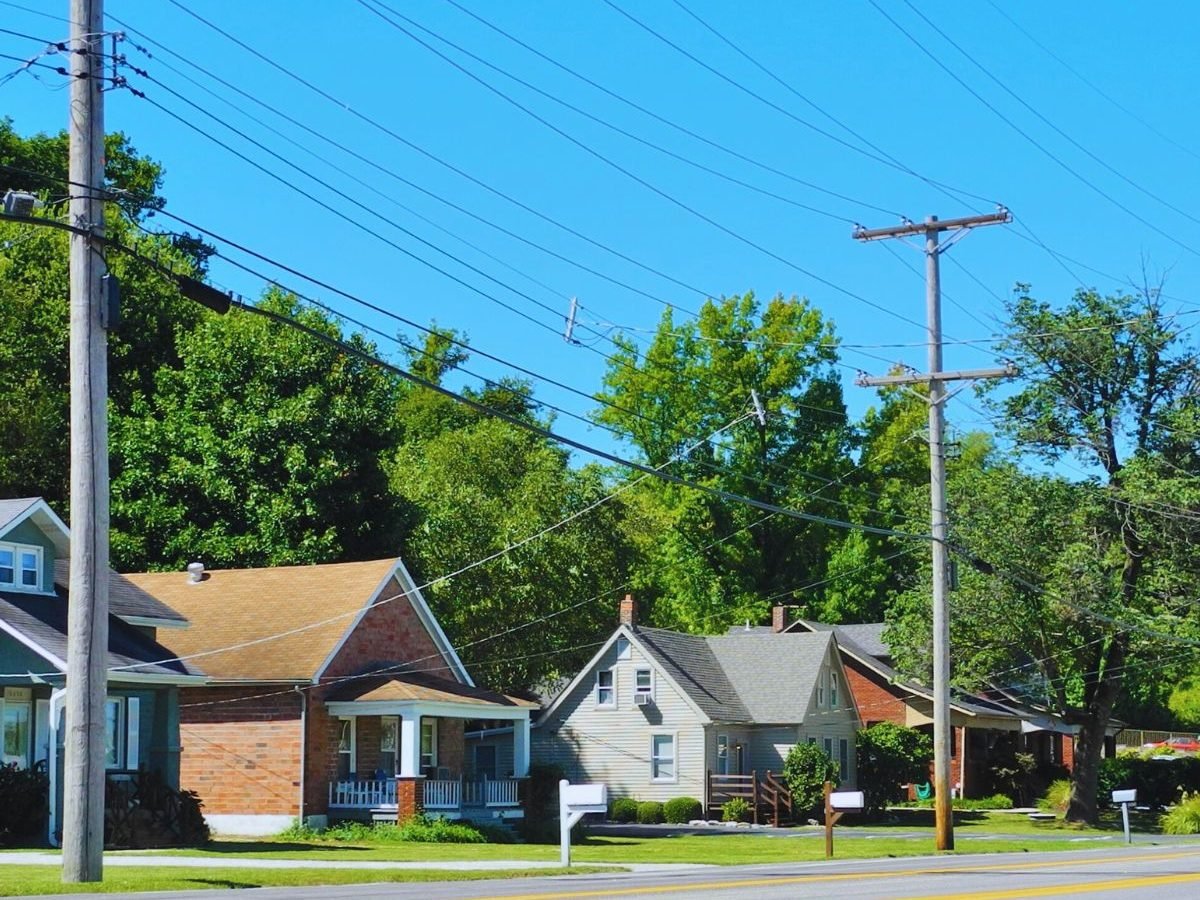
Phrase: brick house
(333,694)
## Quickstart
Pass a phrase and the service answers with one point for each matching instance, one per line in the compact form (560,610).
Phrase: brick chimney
(628,614)
(781,618)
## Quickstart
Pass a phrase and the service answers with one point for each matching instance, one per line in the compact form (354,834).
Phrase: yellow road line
(1060,889)
(846,876)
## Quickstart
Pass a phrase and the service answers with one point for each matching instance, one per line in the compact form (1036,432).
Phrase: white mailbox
(574,802)
(847,800)
(584,798)
(1125,799)
(1129,796)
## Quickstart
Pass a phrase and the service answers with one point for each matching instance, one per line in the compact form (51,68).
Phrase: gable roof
(14,512)
(422,686)
(40,623)
(753,677)
(281,623)
(774,674)
(125,599)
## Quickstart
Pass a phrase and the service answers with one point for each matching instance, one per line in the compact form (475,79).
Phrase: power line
(664,120)
(736,235)
(1059,131)
(433,157)
(1026,135)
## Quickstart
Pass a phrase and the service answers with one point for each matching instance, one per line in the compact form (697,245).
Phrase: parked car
(1178,744)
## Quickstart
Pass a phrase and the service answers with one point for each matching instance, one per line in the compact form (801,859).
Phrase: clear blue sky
(845,58)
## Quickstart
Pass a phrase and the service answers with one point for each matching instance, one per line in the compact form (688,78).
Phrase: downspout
(303,747)
(56,697)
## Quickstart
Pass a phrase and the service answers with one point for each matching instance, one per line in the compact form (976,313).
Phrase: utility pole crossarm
(909,229)
(923,378)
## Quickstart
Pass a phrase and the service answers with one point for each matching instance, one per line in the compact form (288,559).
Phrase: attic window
(20,567)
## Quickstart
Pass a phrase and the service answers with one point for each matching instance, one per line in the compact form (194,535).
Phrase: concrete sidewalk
(34,858)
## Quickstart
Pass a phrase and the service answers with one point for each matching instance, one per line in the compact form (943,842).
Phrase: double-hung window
(643,684)
(722,754)
(606,694)
(346,748)
(429,737)
(821,687)
(833,689)
(20,567)
(662,757)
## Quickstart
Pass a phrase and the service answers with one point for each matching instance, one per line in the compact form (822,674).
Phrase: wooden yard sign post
(837,803)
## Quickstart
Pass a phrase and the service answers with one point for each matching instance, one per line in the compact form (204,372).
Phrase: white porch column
(410,743)
(521,747)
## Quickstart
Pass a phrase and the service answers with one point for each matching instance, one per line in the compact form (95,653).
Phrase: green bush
(735,810)
(682,809)
(1184,818)
(650,812)
(1159,782)
(421,829)
(888,757)
(23,794)
(540,824)
(1057,798)
(623,809)
(805,772)
(996,801)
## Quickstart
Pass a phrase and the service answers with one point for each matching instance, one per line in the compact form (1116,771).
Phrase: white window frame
(122,723)
(611,689)
(25,756)
(827,746)
(821,687)
(389,733)
(17,583)
(673,759)
(722,754)
(833,689)
(350,751)
(428,760)
(648,690)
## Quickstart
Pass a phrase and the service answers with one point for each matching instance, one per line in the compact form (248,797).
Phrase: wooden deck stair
(769,798)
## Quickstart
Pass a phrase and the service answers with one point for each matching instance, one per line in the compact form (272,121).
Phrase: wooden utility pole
(87,624)
(936,379)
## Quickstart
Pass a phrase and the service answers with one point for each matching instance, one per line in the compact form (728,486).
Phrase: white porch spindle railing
(500,793)
(443,794)
(362,794)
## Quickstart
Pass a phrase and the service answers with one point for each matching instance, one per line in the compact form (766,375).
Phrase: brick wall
(873,696)
(388,634)
(241,750)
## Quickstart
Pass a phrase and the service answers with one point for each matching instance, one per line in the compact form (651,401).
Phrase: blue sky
(846,59)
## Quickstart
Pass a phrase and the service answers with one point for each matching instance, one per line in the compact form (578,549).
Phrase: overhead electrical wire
(591,151)
(1070,170)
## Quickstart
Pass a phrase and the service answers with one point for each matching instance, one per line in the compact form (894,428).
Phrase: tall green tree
(264,447)
(706,563)
(1079,583)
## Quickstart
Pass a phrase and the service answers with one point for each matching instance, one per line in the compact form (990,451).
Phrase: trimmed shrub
(888,757)
(1159,782)
(1184,818)
(682,809)
(805,772)
(650,812)
(623,809)
(735,810)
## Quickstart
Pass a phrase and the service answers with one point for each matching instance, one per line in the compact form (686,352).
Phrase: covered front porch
(401,751)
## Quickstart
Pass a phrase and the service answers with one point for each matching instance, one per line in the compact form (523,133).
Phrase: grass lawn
(25,881)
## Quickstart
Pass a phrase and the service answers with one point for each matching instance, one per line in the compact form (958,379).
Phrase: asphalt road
(1127,873)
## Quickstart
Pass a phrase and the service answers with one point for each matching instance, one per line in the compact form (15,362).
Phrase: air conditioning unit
(642,699)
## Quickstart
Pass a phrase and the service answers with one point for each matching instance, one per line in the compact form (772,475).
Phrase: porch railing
(440,794)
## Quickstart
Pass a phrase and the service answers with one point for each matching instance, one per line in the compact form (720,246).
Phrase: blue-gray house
(142,709)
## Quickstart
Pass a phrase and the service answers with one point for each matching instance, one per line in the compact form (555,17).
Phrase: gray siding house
(655,711)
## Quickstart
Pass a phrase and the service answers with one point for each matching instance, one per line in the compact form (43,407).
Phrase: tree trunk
(1093,727)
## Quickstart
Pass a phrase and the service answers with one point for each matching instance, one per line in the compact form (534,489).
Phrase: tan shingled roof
(236,606)
(417,686)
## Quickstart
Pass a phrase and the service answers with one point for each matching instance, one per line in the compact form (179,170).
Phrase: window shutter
(132,722)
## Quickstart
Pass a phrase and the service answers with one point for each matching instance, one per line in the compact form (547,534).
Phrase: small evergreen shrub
(682,809)
(650,812)
(623,809)
(805,772)
(735,810)
(889,756)
(1184,818)
(23,796)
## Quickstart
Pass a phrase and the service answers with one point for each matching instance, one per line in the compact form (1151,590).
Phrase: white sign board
(1129,796)
(847,800)
(587,798)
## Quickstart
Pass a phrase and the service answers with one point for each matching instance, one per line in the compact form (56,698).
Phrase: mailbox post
(837,803)
(1125,799)
(574,801)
